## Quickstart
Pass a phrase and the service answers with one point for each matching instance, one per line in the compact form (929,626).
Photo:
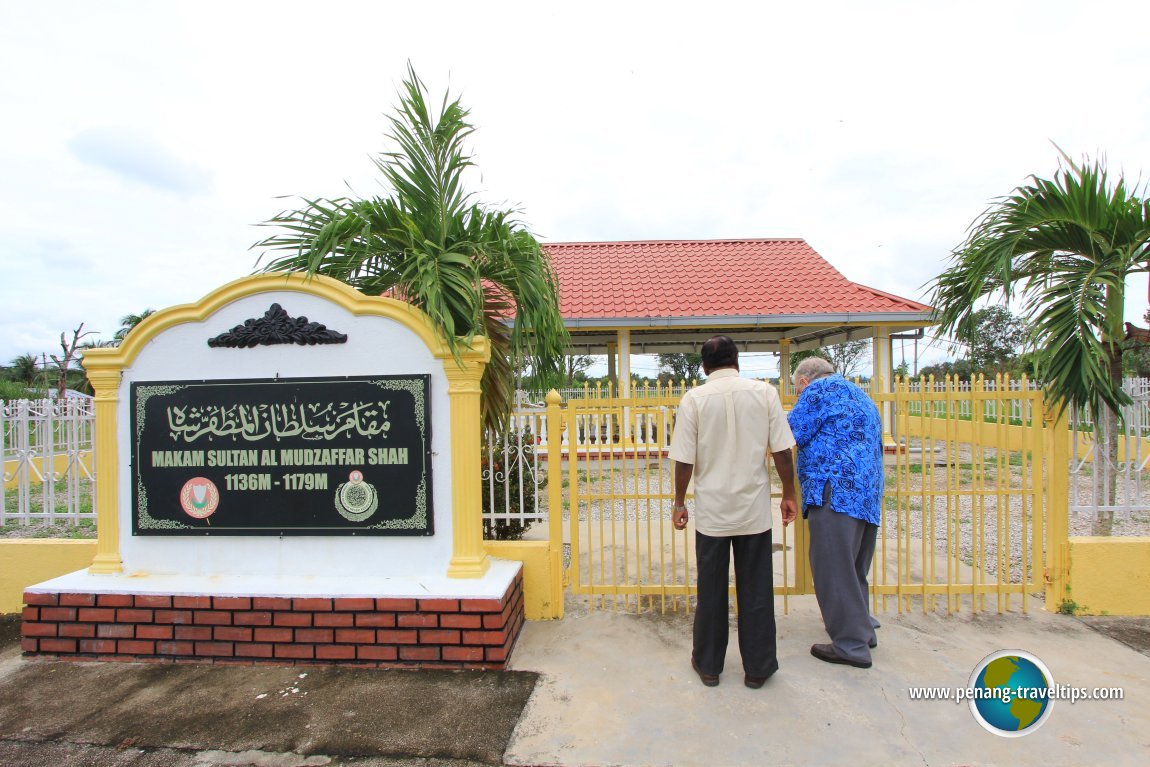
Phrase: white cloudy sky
(140,142)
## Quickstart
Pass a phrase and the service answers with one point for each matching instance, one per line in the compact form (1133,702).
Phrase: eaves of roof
(674,283)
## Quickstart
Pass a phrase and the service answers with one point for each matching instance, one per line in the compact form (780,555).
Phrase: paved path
(617,689)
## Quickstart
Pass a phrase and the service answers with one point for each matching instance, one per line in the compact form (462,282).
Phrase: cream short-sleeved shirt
(727,428)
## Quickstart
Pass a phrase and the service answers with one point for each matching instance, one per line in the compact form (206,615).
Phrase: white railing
(1102,483)
(512,478)
(46,451)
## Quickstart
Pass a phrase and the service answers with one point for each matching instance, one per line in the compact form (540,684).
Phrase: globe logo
(1010,693)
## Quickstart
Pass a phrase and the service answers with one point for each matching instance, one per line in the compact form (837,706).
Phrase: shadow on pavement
(1132,631)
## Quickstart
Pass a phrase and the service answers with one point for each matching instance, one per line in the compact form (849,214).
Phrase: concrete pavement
(597,688)
(618,689)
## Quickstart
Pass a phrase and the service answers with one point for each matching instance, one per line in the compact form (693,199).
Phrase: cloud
(138,157)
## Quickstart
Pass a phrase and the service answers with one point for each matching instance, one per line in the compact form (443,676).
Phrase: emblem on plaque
(355,499)
(199,497)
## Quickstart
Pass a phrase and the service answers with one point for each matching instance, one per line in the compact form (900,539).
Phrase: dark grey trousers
(755,590)
(841,551)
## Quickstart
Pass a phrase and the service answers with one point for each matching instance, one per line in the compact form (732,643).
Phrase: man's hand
(789,509)
(683,472)
(785,465)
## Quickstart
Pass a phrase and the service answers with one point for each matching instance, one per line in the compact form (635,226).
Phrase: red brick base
(404,633)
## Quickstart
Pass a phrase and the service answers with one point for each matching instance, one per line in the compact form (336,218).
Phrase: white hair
(811,369)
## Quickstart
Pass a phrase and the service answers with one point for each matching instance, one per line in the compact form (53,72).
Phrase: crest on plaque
(199,497)
(355,499)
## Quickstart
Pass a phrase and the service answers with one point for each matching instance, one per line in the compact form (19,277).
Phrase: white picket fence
(46,451)
(1117,483)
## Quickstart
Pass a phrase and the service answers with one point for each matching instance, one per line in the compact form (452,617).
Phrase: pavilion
(769,295)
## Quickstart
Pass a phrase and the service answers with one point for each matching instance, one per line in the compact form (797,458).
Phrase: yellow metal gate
(969,481)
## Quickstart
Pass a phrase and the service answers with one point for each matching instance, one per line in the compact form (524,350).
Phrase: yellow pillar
(555,499)
(624,336)
(106,383)
(881,380)
(468,556)
(1057,449)
(612,377)
(785,385)
(624,346)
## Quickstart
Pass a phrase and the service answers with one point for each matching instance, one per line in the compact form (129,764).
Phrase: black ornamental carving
(277,327)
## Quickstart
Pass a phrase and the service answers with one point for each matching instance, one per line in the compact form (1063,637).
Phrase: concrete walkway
(597,688)
(618,689)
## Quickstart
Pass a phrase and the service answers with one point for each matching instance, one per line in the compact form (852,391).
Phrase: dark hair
(719,352)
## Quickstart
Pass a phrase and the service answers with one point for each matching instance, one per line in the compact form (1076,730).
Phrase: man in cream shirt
(724,431)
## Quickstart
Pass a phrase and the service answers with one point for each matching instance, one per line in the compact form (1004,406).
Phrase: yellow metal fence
(964,513)
(969,483)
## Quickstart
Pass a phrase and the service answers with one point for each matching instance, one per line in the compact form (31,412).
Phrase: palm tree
(23,369)
(1063,248)
(129,321)
(473,270)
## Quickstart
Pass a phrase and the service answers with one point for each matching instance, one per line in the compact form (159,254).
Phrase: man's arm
(801,419)
(785,465)
(683,472)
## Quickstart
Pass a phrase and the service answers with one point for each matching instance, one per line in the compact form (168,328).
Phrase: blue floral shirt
(839,435)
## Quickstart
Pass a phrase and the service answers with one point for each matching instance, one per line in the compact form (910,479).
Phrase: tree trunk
(1109,429)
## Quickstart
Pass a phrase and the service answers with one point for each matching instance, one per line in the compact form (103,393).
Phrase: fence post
(555,499)
(1056,572)
(804,583)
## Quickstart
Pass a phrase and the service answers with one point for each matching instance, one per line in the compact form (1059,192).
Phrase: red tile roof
(708,278)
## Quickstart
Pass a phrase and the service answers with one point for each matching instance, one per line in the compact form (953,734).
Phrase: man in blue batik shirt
(839,436)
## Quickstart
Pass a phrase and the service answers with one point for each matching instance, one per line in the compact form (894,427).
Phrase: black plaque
(291,456)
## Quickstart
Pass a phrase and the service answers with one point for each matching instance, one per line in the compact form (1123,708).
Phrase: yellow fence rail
(965,523)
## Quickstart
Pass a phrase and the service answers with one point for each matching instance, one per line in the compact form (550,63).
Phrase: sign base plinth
(369,621)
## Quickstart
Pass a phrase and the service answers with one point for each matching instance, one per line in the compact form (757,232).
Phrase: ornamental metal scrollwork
(277,327)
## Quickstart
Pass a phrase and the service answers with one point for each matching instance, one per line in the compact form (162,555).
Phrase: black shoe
(755,682)
(710,680)
(827,653)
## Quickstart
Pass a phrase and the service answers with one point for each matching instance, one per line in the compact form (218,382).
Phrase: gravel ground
(15,529)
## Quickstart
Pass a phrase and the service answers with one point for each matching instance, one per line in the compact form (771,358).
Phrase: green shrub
(11,390)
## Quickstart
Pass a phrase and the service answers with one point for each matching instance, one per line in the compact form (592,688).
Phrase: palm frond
(1064,247)
(472,270)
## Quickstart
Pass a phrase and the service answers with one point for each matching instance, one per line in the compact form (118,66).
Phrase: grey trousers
(841,551)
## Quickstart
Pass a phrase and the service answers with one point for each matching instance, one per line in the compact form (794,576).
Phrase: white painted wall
(375,346)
